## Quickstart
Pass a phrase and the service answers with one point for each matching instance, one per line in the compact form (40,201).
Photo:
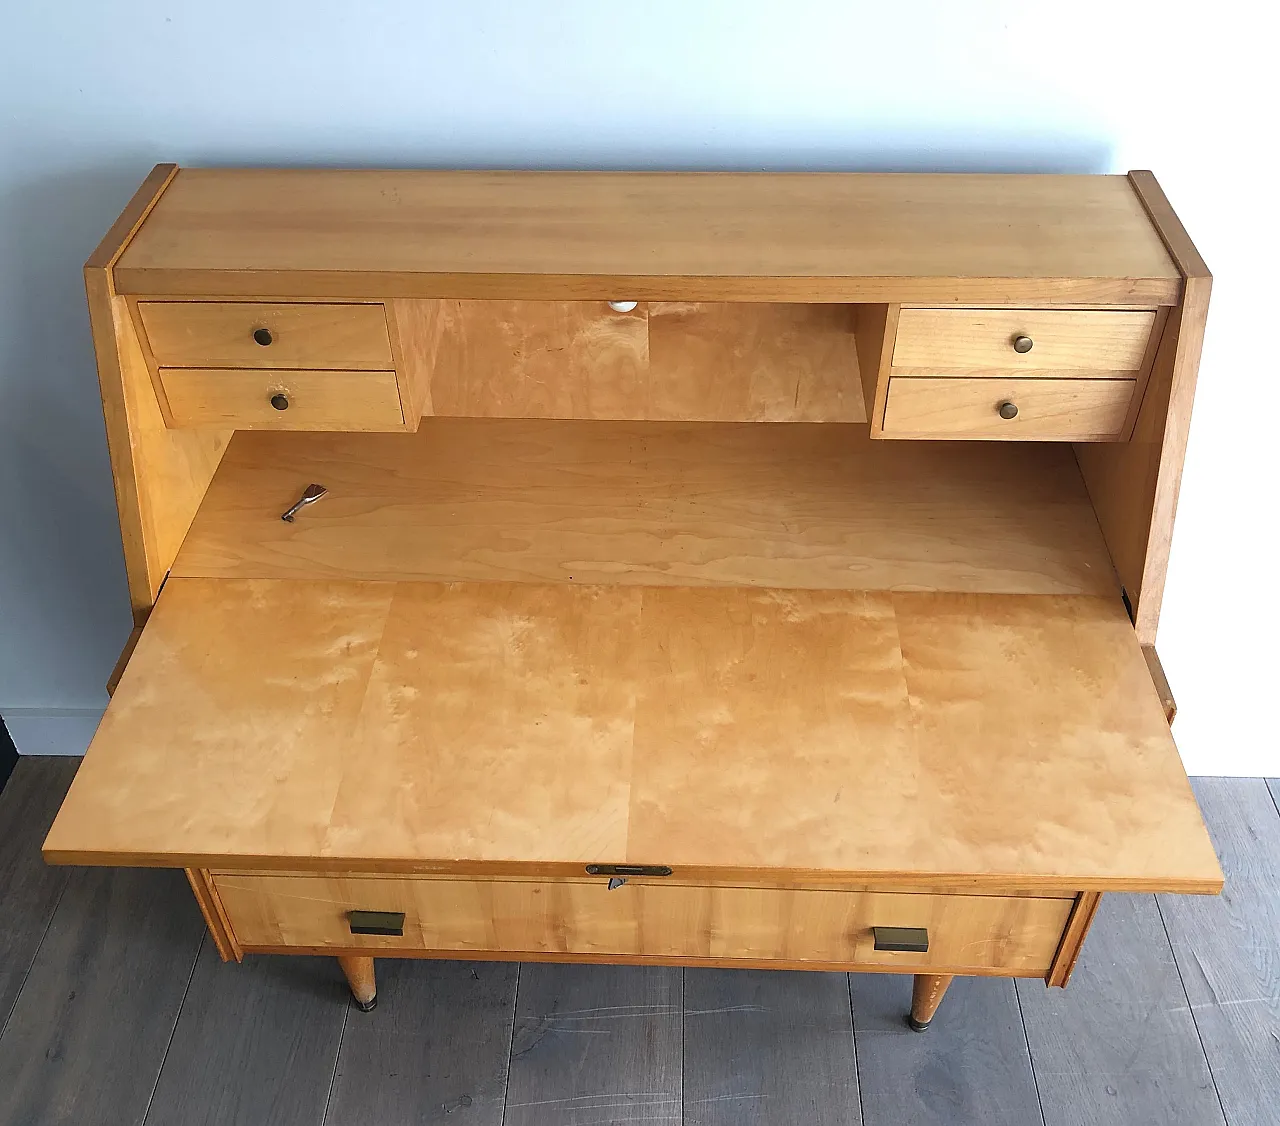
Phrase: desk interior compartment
(754,654)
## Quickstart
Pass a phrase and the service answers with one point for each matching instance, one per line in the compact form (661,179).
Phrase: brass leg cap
(917,1025)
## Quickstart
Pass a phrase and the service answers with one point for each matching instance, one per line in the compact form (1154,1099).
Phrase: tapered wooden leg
(359,971)
(926,995)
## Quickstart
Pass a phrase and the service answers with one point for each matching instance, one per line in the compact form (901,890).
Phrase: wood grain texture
(214,914)
(86,1039)
(1134,485)
(1077,930)
(29,888)
(318,400)
(657,504)
(695,924)
(1076,410)
(160,475)
(1226,949)
(212,334)
(753,363)
(540,359)
(688,361)
(361,975)
(128,222)
(433,1052)
(927,992)
(1065,342)
(971,1067)
(649,236)
(517,728)
(1119,1045)
(1161,682)
(596,1044)
(877,330)
(253,1044)
(768,1047)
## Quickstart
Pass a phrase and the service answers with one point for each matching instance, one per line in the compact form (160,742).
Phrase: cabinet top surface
(475,234)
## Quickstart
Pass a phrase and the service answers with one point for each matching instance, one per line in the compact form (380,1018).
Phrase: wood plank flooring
(115,1009)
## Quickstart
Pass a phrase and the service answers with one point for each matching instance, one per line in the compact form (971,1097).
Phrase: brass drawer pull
(912,940)
(1023,344)
(377,922)
(1008,410)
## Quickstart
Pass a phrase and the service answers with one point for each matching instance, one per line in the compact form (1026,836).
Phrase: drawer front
(1075,410)
(511,917)
(1085,343)
(312,400)
(249,334)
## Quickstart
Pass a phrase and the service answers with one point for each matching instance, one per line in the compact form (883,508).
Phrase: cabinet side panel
(215,916)
(160,475)
(1134,485)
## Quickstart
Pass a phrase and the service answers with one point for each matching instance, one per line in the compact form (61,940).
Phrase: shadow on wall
(63,600)
(64,603)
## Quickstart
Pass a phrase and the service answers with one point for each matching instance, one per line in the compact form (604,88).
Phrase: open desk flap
(935,739)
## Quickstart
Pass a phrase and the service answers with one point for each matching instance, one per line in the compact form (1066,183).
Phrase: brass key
(312,494)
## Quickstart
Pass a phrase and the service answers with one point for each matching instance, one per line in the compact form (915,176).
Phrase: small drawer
(1047,410)
(509,917)
(250,399)
(1086,343)
(251,334)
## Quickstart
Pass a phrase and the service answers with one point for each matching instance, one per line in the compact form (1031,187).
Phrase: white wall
(92,94)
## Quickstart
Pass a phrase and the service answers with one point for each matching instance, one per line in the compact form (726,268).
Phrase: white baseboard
(52,731)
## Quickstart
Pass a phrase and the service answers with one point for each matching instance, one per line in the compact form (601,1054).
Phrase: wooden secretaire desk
(737,570)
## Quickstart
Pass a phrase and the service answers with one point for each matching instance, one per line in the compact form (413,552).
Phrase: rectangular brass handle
(912,940)
(377,922)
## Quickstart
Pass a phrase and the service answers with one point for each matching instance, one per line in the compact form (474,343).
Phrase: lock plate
(628,870)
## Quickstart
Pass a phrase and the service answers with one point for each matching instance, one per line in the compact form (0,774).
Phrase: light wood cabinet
(656,632)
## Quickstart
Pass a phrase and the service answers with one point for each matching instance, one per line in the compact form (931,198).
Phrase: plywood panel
(540,359)
(160,475)
(650,236)
(1134,485)
(753,362)
(941,739)
(795,506)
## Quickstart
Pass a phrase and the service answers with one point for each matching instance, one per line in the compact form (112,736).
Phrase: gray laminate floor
(116,1010)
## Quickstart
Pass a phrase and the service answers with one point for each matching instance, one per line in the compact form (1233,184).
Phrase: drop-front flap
(727,732)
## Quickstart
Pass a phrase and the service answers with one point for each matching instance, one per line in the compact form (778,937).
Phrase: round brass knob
(281,402)
(1023,344)
(1008,410)
(262,336)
